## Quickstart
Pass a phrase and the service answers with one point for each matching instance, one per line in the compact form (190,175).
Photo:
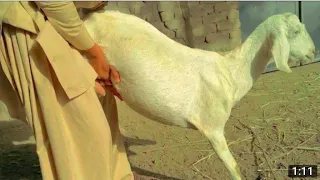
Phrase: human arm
(63,16)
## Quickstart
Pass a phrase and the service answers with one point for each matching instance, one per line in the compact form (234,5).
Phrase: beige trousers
(76,139)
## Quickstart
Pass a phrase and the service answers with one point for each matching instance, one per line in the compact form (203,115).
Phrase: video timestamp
(302,171)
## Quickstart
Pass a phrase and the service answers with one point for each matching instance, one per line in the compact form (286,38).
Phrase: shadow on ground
(20,162)
(143,142)
(18,158)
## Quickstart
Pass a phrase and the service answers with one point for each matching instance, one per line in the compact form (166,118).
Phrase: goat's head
(291,41)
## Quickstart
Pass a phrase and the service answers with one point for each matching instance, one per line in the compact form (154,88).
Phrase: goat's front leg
(219,143)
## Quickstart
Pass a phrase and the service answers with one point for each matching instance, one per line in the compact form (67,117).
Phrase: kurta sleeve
(64,17)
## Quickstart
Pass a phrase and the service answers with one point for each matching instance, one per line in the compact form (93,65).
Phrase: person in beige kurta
(52,88)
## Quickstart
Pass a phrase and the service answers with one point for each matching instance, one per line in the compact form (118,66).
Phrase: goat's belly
(159,116)
(154,103)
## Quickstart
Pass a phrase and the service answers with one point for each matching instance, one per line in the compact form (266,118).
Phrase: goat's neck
(251,58)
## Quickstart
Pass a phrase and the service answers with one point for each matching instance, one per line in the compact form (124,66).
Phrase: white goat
(175,84)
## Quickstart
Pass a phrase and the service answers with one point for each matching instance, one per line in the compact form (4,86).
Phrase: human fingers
(99,89)
(114,74)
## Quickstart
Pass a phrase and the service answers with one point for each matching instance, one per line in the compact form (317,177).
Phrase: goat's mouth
(301,61)
(306,61)
(308,58)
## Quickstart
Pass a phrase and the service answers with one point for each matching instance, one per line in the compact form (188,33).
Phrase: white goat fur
(175,84)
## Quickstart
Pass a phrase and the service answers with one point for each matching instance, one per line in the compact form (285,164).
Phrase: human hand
(101,85)
(105,71)
(100,65)
(114,75)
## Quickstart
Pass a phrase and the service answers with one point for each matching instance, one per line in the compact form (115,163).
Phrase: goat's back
(159,77)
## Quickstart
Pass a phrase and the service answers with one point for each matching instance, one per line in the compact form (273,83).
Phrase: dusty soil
(278,121)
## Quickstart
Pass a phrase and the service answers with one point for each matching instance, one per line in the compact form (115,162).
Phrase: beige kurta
(51,87)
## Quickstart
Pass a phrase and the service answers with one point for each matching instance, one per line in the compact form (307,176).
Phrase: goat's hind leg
(219,143)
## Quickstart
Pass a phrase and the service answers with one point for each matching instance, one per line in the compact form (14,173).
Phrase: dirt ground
(277,121)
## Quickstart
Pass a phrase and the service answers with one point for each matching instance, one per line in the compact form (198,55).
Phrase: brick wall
(210,25)
(213,25)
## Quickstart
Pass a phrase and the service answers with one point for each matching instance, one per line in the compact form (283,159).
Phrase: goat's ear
(280,52)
